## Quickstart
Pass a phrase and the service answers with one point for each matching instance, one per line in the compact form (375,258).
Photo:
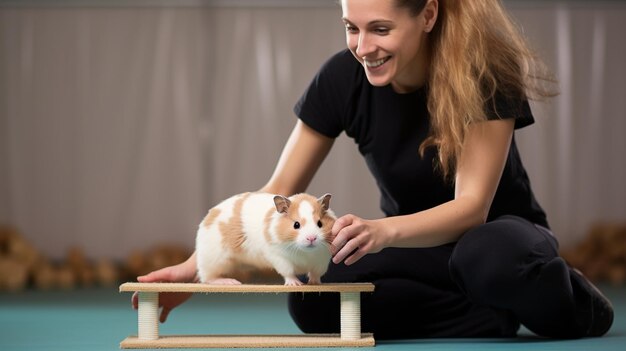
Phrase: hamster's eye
(296,225)
(319,224)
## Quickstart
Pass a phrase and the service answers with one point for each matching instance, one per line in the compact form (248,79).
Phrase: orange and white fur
(289,234)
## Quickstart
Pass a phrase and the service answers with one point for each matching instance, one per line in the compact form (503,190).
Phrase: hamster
(288,234)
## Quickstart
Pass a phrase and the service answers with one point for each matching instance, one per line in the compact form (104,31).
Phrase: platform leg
(350,315)
(147,316)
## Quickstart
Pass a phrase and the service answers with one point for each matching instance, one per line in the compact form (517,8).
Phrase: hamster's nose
(311,238)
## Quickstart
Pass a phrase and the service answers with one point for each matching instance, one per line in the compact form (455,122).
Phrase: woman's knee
(488,261)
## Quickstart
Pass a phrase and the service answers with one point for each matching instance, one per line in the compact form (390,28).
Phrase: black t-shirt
(389,127)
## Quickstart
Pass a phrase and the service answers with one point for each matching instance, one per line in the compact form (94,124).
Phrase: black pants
(498,275)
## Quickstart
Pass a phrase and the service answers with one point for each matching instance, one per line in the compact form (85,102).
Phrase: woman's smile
(373,64)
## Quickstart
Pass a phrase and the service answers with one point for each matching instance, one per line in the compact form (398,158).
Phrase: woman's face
(388,42)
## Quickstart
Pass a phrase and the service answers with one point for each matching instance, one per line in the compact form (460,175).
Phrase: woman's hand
(181,273)
(355,237)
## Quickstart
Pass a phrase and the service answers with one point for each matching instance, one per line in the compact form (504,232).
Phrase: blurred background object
(22,266)
(601,255)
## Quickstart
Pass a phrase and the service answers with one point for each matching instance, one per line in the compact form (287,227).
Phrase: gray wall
(120,125)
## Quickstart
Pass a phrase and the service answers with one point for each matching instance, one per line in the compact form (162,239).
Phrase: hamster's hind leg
(314,279)
(213,269)
(316,271)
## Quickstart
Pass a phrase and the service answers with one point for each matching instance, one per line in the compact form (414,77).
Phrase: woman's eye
(296,225)
(381,30)
(351,29)
(319,224)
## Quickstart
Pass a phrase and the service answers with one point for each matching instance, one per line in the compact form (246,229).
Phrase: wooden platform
(148,331)
(244,288)
(247,341)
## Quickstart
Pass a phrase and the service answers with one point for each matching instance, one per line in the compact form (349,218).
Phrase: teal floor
(98,319)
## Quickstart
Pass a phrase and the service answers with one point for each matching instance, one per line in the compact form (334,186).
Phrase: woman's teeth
(374,64)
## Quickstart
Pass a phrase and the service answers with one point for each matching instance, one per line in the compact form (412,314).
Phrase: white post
(147,316)
(350,315)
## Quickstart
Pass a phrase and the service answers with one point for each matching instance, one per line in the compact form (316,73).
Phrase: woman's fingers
(357,255)
(341,232)
(163,274)
(353,239)
(135,300)
(349,241)
(347,249)
(165,311)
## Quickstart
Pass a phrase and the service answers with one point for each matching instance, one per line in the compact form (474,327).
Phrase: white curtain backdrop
(121,125)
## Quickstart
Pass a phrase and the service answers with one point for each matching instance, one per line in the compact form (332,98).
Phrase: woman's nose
(365,45)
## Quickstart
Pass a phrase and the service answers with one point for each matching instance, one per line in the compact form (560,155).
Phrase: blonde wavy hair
(476,50)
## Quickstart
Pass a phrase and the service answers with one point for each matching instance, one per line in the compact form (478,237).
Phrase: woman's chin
(377,81)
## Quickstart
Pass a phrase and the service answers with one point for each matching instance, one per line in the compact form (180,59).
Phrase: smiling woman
(387,46)
(432,92)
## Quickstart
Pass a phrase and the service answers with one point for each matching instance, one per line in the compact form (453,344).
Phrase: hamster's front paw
(293,281)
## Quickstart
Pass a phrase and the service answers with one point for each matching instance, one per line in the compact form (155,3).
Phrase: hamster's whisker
(292,248)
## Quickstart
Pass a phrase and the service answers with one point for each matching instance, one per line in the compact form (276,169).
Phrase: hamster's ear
(325,201)
(282,203)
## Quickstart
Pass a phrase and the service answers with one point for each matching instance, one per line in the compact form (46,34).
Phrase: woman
(432,92)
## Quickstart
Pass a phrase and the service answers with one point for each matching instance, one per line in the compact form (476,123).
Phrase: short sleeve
(323,104)
(503,107)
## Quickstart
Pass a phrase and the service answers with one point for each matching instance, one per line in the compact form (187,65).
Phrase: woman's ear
(430,15)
